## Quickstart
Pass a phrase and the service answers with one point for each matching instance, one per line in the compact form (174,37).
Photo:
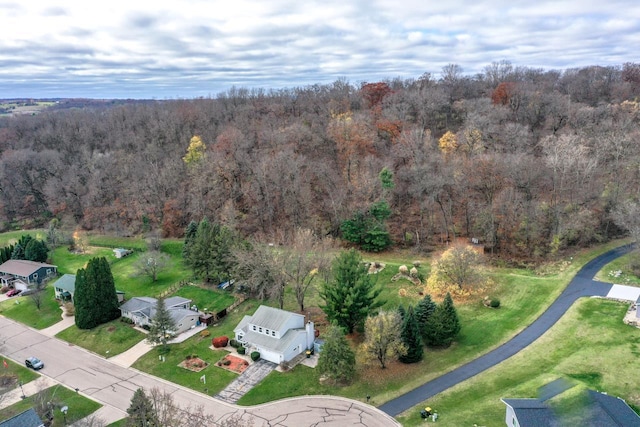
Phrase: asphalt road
(113,386)
(582,285)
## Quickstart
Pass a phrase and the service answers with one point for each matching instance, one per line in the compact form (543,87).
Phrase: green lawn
(619,271)
(216,378)
(589,345)
(18,371)
(113,337)
(59,396)
(12,237)
(524,294)
(210,300)
(70,262)
(23,310)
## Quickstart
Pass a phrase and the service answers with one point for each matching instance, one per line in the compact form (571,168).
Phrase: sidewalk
(66,322)
(127,358)
(30,388)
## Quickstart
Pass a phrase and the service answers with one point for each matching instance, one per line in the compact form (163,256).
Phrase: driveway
(582,285)
(113,386)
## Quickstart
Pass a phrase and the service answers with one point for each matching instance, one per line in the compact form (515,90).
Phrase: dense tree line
(526,160)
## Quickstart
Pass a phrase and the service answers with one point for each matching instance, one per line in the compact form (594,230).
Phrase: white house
(142,310)
(278,335)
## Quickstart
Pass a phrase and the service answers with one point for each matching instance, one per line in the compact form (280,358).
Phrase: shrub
(403,269)
(242,350)
(122,319)
(233,343)
(205,333)
(495,303)
(70,309)
(416,264)
(188,357)
(413,272)
(255,355)
(4,289)
(227,362)
(219,342)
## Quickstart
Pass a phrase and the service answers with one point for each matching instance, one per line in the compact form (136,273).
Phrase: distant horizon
(197,48)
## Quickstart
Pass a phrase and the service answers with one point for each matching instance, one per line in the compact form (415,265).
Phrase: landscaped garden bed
(233,364)
(193,363)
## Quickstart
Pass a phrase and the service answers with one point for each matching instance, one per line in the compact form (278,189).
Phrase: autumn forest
(526,161)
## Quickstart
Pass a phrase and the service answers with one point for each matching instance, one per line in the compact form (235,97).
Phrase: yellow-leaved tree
(383,340)
(195,152)
(448,143)
(458,267)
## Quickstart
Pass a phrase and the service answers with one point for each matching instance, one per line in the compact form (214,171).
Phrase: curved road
(582,285)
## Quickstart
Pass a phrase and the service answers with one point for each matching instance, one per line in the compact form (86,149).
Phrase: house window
(254,328)
(260,329)
(35,275)
(273,333)
(48,271)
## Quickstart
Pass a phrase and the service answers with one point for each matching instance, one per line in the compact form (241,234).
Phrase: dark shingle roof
(532,412)
(28,418)
(612,411)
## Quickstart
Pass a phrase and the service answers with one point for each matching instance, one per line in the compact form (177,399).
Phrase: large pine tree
(443,326)
(411,338)
(209,251)
(96,301)
(351,295)
(141,411)
(424,309)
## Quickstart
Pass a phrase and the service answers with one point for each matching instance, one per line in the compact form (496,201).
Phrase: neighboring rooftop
(67,282)
(28,418)
(22,267)
(271,318)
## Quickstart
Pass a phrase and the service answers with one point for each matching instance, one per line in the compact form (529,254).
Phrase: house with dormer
(278,335)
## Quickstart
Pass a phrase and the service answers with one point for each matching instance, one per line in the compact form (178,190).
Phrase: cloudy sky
(189,48)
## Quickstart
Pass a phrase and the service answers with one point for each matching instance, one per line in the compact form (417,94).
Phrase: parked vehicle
(14,292)
(34,363)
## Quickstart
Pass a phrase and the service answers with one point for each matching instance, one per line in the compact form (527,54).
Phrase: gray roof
(28,418)
(147,306)
(612,411)
(138,303)
(22,267)
(271,318)
(273,343)
(67,282)
(532,412)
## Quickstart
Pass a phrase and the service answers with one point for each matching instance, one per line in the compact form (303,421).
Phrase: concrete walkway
(29,389)
(582,285)
(255,373)
(624,292)
(129,357)
(66,322)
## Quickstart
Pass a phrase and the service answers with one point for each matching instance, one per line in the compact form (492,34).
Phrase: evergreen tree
(141,411)
(189,237)
(411,338)
(84,301)
(402,311)
(337,360)
(424,309)
(351,295)
(209,252)
(36,250)
(443,325)
(162,326)
(5,253)
(20,247)
(95,297)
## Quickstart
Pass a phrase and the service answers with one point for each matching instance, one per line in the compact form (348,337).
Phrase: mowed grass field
(590,346)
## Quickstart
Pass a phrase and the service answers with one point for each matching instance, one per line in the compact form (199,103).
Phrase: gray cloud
(203,47)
